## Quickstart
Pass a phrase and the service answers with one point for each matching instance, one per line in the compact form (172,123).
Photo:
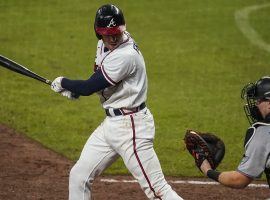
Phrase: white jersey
(124,69)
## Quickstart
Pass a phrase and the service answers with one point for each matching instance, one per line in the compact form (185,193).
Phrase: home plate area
(29,171)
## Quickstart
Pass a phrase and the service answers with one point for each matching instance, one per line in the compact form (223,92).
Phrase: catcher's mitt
(205,146)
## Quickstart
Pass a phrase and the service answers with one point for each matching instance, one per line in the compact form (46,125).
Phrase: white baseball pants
(131,137)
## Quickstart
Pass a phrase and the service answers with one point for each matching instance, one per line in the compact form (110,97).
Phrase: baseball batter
(257,140)
(128,130)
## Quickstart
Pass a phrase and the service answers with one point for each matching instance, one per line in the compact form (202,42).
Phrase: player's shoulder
(261,126)
(260,131)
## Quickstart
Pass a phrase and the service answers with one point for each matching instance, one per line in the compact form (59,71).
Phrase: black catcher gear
(109,21)
(253,92)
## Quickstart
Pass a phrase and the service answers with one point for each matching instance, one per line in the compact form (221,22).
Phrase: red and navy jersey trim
(102,67)
(107,77)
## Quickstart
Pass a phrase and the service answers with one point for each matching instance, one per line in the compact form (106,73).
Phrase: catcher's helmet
(109,21)
(253,92)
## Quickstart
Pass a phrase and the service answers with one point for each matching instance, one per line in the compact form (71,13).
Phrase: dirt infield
(30,171)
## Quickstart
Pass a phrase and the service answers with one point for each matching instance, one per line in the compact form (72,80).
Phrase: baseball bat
(11,65)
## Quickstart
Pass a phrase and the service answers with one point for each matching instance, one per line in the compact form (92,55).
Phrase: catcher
(208,150)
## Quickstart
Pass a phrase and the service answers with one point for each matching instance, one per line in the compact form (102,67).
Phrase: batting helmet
(109,21)
(253,92)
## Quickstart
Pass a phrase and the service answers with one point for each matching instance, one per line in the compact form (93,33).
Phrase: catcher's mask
(252,93)
(109,21)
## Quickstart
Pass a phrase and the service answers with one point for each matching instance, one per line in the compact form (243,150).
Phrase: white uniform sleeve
(117,67)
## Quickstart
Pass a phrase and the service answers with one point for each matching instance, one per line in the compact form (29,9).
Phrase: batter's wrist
(213,174)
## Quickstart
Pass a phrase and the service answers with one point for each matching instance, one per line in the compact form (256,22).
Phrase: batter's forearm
(94,84)
(76,86)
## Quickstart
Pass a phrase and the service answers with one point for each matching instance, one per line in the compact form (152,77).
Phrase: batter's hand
(56,85)
(69,95)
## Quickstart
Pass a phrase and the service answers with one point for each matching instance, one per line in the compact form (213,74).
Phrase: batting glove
(56,85)
(69,95)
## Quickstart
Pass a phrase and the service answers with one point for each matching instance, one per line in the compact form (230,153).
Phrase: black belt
(123,111)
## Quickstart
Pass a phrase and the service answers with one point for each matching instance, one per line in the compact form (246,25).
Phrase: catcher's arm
(208,151)
(233,179)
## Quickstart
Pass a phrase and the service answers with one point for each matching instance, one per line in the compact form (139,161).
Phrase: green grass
(197,62)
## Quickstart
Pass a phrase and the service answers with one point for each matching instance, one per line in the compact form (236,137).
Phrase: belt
(123,111)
